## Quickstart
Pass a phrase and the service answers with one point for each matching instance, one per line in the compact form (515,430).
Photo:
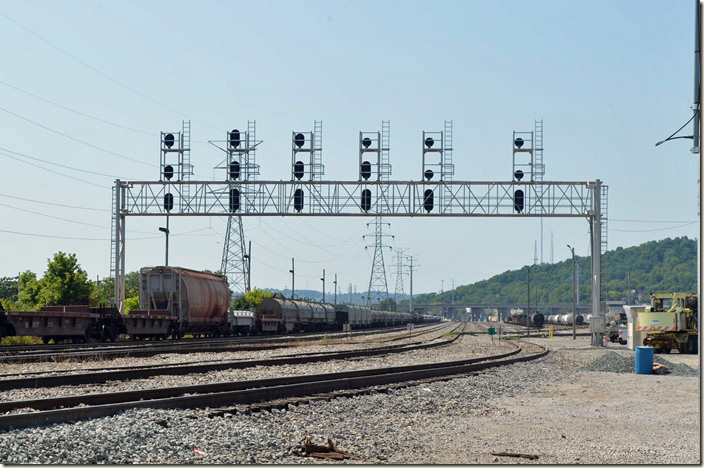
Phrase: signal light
(298,200)
(235,138)
(168,202)
(366,170)
(234,170)
(429,142)
(429,174)
(168,172)
(169,140)
(518,174)
(367,142)
(298,170)
(518,200)
(518,142)
(299,140)
(234,200)
(428,200)
(366,200)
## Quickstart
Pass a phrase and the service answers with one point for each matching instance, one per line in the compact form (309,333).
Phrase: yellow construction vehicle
(670,322)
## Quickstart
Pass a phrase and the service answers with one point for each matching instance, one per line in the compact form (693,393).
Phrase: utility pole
(574,294)
(323,280)
(249,267)
(528,311)
(335,282)
(293,279)
(628,286)
(411,269)
(442,286)
(166,231)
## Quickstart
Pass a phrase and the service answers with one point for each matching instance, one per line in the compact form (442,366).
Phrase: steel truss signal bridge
(425,199)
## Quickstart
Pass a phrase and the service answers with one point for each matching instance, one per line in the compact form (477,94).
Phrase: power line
(651,221)
(104,75)
(51,171)
(55,204)
(63,165)
(185,234)
(61,106)
(653,230)
(91,145)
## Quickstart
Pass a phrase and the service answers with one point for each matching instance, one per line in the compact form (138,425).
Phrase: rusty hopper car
(197,300)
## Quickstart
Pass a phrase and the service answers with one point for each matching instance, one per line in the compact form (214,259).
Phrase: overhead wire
(65,135)
(55,204)
(53,171)
(96,70)
(653,230)
(66,108)
(63,165)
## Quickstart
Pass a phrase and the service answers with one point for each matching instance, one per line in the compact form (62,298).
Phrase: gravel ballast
(614,362)
(552,408)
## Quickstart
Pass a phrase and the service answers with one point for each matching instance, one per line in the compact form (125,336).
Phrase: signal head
(169,140)
(367,142)
(299,140)
(298,170)
(168,172)
(518,174)
(366,170)
(429,174)
(518,142)
(235,138)
(429,142)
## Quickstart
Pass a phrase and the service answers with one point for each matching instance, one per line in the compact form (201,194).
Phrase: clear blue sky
(608,78)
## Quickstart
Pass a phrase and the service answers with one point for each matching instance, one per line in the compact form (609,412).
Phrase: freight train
(519,317)
(178,301)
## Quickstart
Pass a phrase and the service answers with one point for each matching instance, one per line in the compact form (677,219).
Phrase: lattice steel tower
(399,273)
(377,168)
(240,164)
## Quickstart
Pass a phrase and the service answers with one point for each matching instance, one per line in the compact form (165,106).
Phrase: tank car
(278,315)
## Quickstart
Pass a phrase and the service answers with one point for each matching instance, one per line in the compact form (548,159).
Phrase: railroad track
(102,375)
(243,392)
(151,348)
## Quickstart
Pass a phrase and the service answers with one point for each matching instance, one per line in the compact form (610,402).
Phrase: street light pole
(335,282)
(293,279)
(248,256)
(166,231)
(574,295)
(323,280)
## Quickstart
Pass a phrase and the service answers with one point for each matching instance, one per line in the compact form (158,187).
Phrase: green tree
(132,284)
(387,304)
(64,281)
(8,288)
(103,292)
(28,296)
(250,299)
(131,303)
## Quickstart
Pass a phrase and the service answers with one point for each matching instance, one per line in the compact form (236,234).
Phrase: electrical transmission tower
(399,273)
(377,280)
(240,165)
(374,163)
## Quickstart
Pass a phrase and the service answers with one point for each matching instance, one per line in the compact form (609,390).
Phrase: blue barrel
(644,360)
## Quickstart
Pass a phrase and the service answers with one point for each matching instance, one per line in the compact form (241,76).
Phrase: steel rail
(247,392)
(132,373)
(152,349)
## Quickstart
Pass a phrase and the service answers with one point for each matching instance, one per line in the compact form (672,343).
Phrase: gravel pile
(620,364)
